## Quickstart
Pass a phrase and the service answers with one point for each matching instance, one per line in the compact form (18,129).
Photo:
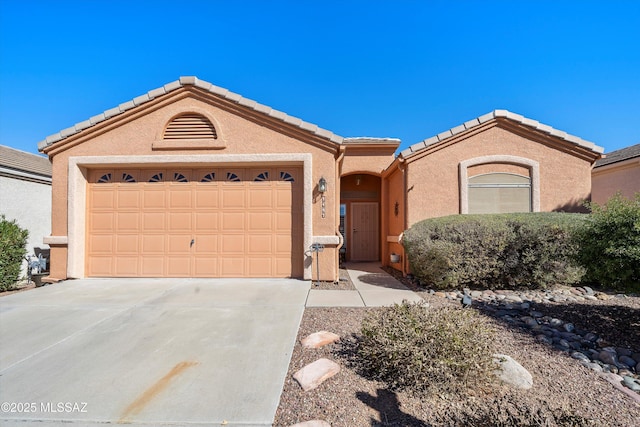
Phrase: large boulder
(512,373)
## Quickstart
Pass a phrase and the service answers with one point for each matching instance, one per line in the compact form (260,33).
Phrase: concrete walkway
(374,288)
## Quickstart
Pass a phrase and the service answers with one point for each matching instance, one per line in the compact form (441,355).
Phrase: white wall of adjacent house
(29,204)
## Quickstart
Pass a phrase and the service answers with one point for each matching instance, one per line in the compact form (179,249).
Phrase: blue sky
(404,69)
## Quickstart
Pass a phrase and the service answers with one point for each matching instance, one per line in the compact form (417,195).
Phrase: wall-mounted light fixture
(358,179)
(322,185)
(322,188)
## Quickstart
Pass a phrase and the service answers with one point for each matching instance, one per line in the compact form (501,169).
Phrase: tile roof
(182,82)
(619,155)
(17,160)
(493,115)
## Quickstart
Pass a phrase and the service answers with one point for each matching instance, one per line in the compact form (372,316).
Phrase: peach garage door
(215,222)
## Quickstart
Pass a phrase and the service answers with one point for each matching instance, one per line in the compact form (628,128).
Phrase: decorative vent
(264,176)
(286,176)
(105,178)
(156,178)
(190,126)
(128,178)
(210,177)
(179,177)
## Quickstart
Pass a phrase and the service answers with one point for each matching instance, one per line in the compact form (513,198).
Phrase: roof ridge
(177,84)
(493,115)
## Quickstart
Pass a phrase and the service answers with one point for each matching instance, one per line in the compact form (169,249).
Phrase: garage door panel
(179,197)
(126,266)
(233,221)
(244,223)
(128,198)
(206,267)
(103,198)
(179,266)
(179,221)
(232,266)
(260,198)
(283,197)
(153,266)
(206,221)
(153,243)
(233,196)
(179,243)
(259,266)
(127,243)
(232,244)
(102,221)
(127,221)
(259,221)
(283,222)
(207,196)
(153,222)
(206,244)
(101,243)
(101,266)
(260,244)
(153,197)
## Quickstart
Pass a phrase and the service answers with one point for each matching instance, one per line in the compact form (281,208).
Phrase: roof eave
(188,81)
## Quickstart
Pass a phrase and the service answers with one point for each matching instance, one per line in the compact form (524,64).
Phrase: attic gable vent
(190,126)
(191,130)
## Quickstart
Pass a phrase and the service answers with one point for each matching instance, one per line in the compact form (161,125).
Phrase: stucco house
(619,171)
(25,195)
(191,180)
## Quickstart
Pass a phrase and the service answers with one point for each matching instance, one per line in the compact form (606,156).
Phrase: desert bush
(413,348)
(610,244)
(504,411)
(13,242)
(495,251)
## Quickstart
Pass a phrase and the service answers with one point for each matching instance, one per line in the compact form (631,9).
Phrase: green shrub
(13,242)
(494,251)
(610,244)
(411,347)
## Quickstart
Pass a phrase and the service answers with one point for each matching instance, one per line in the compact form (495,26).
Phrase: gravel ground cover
(565,393)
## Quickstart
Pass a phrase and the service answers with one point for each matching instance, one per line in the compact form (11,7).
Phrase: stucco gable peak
(500,114)
(182,82)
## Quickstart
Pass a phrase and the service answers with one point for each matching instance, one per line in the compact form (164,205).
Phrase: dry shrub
(412,347)
(507,412)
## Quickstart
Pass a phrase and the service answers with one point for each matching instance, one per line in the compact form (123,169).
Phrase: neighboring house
(25,195)
(191,180)
(618,171)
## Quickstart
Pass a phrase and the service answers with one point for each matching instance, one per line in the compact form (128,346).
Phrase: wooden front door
(365,240)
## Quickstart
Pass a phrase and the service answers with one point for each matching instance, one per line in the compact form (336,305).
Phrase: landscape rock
(512,373)
(319,339)
(608,357)
(629,382)
(314,374)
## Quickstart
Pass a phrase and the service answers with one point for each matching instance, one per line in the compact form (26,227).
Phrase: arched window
(499,193)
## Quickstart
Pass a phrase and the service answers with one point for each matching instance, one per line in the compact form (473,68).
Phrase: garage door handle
(192,242)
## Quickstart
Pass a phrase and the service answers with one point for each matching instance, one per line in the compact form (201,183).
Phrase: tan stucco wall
(609,179)
(366,160)
(395,220)
(133,133)
(433,180)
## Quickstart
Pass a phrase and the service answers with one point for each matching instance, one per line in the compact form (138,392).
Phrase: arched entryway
(360,217)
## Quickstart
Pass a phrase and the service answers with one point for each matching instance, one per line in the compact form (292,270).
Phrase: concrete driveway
(148,351)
